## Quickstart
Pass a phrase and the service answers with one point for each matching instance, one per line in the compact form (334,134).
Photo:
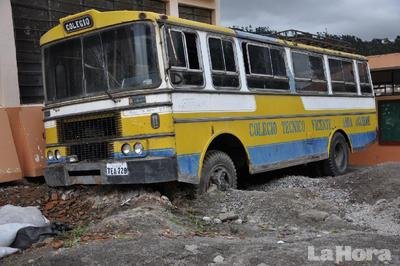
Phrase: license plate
(117,169)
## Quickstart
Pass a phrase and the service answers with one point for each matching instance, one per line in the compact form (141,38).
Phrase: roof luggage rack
(315,39)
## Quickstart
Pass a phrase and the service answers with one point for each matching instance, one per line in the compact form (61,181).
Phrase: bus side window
(309,72)
(223,63)
(364,78)
(342,76)
(265,67)
(183,55)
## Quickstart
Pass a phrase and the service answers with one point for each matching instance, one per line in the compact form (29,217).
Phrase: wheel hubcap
(220,177)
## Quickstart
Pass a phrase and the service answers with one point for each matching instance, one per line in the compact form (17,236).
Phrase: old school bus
(138,97)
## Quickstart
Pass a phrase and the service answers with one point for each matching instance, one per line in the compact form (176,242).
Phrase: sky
(366,19)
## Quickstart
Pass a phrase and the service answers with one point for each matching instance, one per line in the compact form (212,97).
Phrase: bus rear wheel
(338,160)
(219,171)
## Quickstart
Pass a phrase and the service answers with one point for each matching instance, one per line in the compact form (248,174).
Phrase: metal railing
(320,40)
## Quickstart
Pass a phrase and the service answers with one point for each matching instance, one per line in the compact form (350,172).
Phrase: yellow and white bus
(139,97)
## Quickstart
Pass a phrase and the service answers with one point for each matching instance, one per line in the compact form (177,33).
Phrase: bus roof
(110,18)
(92,19)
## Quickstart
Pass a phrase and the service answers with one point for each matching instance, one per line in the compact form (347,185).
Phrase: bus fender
(344,133)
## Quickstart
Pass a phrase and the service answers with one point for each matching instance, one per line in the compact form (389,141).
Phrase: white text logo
(347,253)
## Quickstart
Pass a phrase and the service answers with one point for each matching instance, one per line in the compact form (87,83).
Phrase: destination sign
(78,24)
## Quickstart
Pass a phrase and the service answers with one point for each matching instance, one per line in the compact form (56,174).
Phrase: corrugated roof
(384,62)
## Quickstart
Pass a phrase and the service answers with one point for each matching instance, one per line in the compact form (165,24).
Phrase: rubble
(268,222)
(314,215)
(206,219)
(228,216)
(192,248)
(217,221)
(218,259)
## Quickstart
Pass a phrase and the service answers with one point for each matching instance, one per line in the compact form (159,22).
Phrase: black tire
(218,169)
(338,160)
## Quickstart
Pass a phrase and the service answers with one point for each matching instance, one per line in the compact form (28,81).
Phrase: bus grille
(91,151)
(89,128)
(89,136)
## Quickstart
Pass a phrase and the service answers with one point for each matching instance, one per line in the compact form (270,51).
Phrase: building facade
(21,86)
(33,18)
(385,72)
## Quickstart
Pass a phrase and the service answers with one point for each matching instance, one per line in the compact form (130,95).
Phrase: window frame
(192,14)
(88,97)
(326,81)
(341,59)
(250,74)
(228,73)
(182,30)
(370,84)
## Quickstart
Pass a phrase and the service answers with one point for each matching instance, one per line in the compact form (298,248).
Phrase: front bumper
(141,171)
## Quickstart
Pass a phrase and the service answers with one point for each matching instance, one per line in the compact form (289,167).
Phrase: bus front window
(117,59)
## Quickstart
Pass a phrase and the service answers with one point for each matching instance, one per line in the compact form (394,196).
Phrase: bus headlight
(50,155)
(57,154)
(126,149)
(138,148)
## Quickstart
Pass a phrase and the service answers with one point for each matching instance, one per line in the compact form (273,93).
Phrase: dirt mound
(68,206)
(77,206)
(371,184)
(147,214)
(272,222)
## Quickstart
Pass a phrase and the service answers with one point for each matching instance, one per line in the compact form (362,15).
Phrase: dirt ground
(273,220)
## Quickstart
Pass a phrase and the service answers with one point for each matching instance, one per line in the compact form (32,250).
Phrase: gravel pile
(383,216)
(288,182)
(271,223)
(320,187)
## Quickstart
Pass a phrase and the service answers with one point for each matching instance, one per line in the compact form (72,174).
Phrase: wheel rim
(220,177)
(340,157)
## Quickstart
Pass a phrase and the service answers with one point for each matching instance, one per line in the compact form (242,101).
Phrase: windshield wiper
(111,96)
(107,91)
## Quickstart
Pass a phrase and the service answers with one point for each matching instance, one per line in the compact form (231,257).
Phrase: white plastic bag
(23,215)
(14,218)
(8,233)
(5,251)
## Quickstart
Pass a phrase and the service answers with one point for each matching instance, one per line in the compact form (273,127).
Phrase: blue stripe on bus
(54,161)
(361,140)
(152,153)
(287,151)
(162,153)
(189,164)
(281,152)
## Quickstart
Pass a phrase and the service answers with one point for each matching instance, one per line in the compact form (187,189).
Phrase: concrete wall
(9,89)
(21,133)
(377,153)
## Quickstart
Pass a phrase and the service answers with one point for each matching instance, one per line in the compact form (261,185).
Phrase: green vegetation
(73,237)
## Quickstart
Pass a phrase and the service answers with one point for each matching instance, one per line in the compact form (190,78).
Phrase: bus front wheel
(338,159)
(218,171)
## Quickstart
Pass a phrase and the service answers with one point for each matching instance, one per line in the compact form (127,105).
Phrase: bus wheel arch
(345,135)
(233,147)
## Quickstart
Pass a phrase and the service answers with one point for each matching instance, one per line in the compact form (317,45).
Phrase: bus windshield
(121,58)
